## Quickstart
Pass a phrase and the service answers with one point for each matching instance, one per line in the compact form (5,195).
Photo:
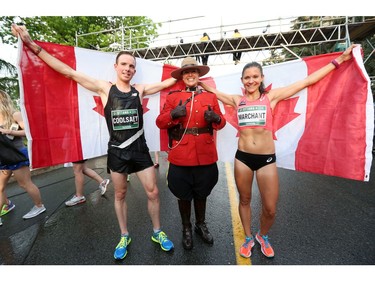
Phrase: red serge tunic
(191,150)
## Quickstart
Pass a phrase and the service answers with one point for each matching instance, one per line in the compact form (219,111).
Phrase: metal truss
(348,32)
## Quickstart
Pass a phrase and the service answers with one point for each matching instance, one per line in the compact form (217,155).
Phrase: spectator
(237,55)
(81,169)
(205,38)
(10,117)
(156,163)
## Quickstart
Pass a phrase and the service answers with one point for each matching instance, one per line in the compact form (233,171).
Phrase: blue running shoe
(161,238)
(121,248)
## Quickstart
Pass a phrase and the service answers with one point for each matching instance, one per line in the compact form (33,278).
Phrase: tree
(275,57)
(129,32)
(8,79)
(63,30)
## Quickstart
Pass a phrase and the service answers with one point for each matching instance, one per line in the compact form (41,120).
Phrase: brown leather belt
(177,132)
(196,131)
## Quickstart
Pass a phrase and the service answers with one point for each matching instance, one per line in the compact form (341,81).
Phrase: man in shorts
(127,149)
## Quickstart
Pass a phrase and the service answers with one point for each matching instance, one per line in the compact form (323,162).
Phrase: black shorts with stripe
(128,161)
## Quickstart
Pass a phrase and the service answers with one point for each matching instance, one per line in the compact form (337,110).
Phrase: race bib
(252,115)
(125,119)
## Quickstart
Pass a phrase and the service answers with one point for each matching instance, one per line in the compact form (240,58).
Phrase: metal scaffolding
(348,32)
(267,39)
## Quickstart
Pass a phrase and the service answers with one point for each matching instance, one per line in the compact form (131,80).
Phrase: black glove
(210,116)
(179,111)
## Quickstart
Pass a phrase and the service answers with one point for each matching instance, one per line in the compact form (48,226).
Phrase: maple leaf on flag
(144,105)
(99,105)
(268,88)
(230,115)
(283,114)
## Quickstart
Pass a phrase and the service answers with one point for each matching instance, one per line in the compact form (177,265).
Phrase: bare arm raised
(227,99)
(149,89)
(278,94)
(98,86)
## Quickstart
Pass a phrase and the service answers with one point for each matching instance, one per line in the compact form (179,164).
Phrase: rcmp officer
(191,117)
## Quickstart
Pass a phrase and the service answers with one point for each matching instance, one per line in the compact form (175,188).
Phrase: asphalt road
(321,220)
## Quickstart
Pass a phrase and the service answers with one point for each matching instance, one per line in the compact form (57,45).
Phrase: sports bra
(254,114)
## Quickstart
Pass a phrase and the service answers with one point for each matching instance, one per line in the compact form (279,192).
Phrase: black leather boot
(200,221)
(187,235)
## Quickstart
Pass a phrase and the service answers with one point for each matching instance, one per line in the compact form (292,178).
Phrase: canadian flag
(64,121)
(326,128)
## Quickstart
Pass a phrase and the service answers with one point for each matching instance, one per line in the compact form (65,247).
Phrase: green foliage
(128,32)
(274,58)
(63,30)
(8,79)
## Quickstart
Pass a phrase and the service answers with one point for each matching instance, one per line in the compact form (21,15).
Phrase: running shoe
(34,212)
(245,250)
(75,200)
(7,208)
(103,186)
(265,245)
(122,247)
(161,238)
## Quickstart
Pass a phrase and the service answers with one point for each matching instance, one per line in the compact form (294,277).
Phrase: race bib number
(252,115)
(125,119)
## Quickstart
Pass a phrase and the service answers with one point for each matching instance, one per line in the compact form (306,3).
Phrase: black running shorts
(125,161)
